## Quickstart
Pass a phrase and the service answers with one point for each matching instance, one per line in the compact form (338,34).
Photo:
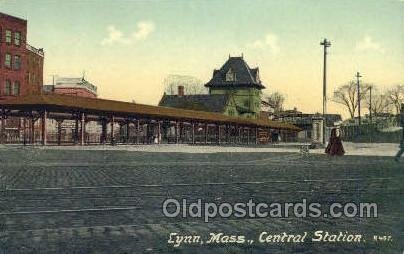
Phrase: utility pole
(370,113)
(325,45)
(359,98)
(370,104)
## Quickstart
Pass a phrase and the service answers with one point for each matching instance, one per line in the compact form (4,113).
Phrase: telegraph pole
(370,103)
(325,45)
(370,113)
(359,98)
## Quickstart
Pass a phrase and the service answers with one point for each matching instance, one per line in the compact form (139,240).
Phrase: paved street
(109,201)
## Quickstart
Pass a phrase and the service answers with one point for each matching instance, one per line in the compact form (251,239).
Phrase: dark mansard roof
(244,75)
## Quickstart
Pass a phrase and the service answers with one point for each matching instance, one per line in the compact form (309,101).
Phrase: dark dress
(335,147)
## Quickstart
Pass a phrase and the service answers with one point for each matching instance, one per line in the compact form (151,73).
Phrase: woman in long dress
(334,146)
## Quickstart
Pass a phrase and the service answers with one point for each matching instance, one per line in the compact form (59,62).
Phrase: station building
(69,111)
(234,90)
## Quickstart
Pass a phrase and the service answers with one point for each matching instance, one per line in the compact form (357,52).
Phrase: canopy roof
(67,103)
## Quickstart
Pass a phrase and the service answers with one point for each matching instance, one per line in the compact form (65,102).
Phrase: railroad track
(31,200)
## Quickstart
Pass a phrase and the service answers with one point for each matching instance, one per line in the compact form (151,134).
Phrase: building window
(7,60)
(7,87)
(17,38)
(16,88)
(230,76)
(17,63)
(8,36)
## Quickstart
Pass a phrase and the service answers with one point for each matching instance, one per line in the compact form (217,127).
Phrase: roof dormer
(230,76)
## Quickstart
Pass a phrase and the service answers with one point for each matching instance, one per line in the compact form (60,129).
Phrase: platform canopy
(103,107)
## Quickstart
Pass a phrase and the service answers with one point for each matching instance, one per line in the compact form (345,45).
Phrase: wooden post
(82,129)
(44,130)
(2,128)
(112,130)
(218,134)
(180,127)
(19,129)
(24,121)
(76,130)
(231,134)
(147,139)
(103,137)
(32,130)
(193,133)
(158,132)
(206,133)
(59,130)
(137,131)
(3,135)
(177,130)
(127,132)
(227,129)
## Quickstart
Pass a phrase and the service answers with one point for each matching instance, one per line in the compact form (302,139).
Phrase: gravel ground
(367,149)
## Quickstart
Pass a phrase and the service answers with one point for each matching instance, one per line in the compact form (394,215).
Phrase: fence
(369,133)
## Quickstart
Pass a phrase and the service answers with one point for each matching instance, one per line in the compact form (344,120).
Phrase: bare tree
(380,103)
(275,100)
(191,85)
(396,97)
(347,95)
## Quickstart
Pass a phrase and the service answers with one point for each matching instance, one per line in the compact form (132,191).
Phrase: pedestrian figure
(334,146)
(401,151)
(274,137)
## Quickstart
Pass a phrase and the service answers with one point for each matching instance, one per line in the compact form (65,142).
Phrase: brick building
(21,68)
(72,86)
(21,65)
(34,70)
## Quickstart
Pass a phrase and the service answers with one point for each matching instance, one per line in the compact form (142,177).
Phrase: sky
(127,48)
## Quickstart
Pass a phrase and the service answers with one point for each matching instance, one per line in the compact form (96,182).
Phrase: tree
(347,95)
(396,97)
(275,100)
(191,85)
(380,103)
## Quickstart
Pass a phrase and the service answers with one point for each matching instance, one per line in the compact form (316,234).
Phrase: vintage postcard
(201,126)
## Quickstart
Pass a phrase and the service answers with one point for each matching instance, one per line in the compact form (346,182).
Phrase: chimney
(180,90)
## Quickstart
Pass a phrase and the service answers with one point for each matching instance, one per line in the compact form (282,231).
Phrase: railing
(35,50)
